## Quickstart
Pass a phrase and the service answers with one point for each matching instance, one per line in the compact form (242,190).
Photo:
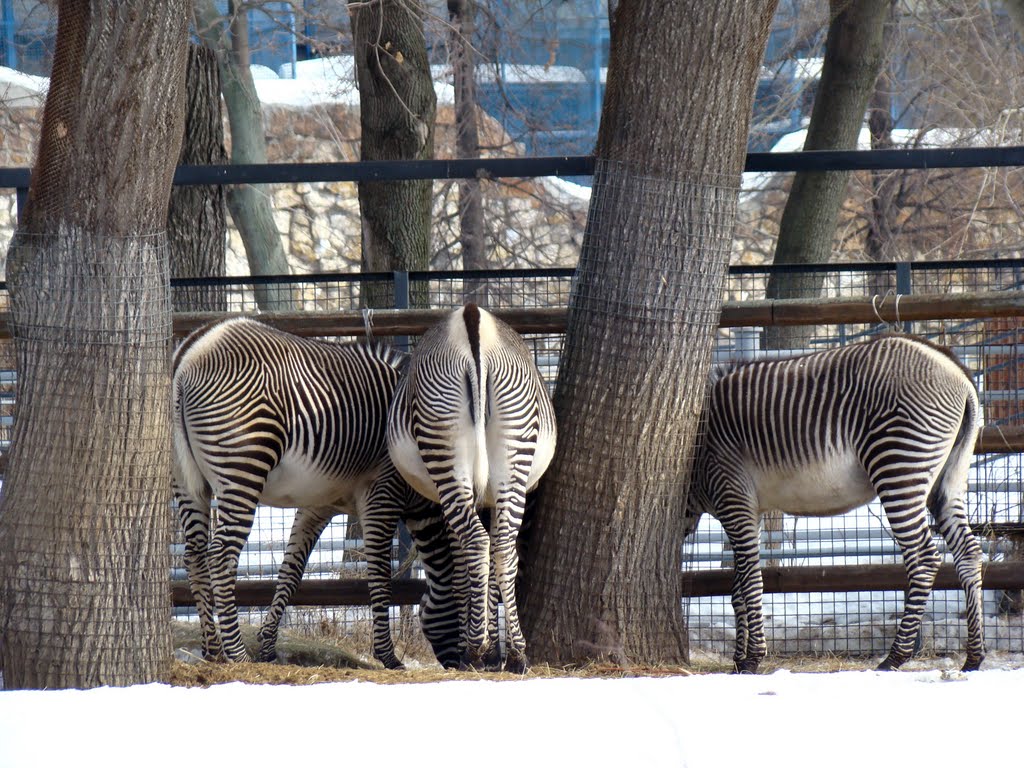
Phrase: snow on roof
(20,90)
(808,69)
(902,138)
(318,81)
(528,73)
(327,68)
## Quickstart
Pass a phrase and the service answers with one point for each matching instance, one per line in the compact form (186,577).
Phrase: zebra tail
(476,396)
(186,468)
(952,479)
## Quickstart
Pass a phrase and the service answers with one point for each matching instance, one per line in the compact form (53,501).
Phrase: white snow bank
(785,719)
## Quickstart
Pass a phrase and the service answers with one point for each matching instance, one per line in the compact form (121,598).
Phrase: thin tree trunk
(197,219)
(603,580)
(880,240)
(84,516)
(249,204)
(854,52)
(396,106)
(467,144)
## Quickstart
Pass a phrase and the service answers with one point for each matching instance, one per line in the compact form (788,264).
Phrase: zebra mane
(719,370)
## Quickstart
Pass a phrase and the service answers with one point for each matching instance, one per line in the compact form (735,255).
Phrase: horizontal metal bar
(566,165)
(847,578)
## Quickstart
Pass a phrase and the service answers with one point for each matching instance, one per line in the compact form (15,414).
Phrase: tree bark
(601,576)
(197,218)
(467,144)
(84,516)
(249,203)
(397,106)
(854,53)
(880,242)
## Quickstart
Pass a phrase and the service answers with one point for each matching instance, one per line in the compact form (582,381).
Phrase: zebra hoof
(890,664)
(972,664)
(474,660)
(491,660)
(516,664)
(746,667)
(391,662)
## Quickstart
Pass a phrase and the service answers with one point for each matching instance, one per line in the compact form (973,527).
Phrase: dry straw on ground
(307,660)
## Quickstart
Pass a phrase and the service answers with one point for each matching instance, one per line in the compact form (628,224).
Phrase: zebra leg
(952,523)
(234,523)
(195,522)
(461,584)
(921,560)
(473,547)
(741,526)
(903,490)
(440,607)
(492,661)
(380,522)
(508,520)
(308,525)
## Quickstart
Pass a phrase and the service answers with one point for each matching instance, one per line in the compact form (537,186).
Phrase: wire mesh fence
(848,623)
(85,519)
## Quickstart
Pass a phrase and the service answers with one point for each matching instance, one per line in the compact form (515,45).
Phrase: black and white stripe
(265,416)
(472,426)
(895,417)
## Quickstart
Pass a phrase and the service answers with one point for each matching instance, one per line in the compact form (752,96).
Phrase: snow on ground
(855,719)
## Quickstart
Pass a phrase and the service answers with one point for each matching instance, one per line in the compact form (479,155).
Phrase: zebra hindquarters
(307,527)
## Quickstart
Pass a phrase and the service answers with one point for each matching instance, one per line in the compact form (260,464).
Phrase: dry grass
(330,657)
(204,674)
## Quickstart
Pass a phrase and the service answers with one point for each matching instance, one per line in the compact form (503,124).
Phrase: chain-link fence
(844,623)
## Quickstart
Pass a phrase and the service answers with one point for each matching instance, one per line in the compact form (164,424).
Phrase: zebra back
(277,392)
(798,411)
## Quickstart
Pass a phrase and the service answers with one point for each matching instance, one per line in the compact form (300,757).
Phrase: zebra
(261,415)
(894,418)
(472,426)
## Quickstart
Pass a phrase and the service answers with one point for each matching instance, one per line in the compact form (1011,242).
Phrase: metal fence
(857,623)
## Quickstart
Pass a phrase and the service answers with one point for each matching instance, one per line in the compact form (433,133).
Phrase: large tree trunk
(467,143)
(249,204)
(197,219)
(396,107)
(84,517)
(603,578)
(854,52)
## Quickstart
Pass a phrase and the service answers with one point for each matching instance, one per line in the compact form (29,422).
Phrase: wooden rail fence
(825,578)
(553,320)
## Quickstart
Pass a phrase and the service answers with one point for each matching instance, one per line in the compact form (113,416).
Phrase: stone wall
(530,223)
